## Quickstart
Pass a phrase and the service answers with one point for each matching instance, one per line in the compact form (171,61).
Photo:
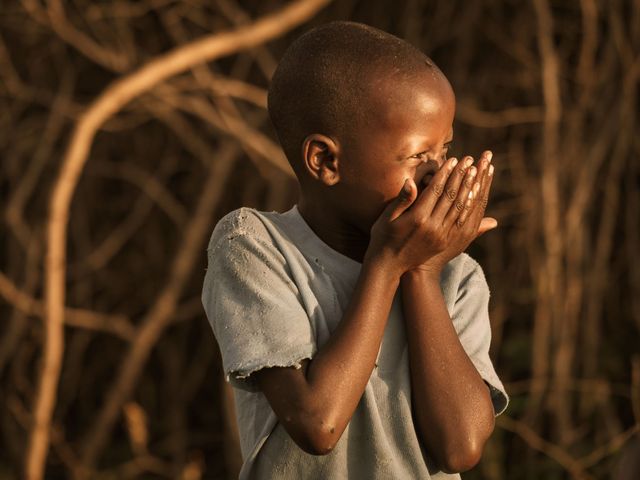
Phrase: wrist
(383,264)
(423,274)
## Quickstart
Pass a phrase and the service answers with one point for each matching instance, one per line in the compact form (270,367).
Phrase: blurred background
(128,128)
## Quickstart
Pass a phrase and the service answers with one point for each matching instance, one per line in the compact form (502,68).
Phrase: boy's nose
(426,168)
(431,166)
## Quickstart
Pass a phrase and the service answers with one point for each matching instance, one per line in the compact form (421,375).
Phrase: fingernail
(491,170)
(489,156)
(470,194)
(472,172)
(468,162)
(454,162)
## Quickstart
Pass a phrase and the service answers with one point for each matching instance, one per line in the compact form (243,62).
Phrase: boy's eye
(423,155)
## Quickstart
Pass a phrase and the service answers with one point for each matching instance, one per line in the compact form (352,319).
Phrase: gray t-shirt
(273,293)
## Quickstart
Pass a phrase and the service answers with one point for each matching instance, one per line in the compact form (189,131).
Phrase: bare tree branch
(113,99)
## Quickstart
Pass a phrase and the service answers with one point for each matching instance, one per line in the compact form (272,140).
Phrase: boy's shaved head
(325,81)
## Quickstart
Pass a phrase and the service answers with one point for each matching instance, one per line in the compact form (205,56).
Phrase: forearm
(316,407)
(339,372)
(451,403)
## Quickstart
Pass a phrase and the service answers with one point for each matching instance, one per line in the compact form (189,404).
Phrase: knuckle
(430,230)
(459,205)
(437,189)
(439,234)
(459,222)
(419,221)
(441,242)
(452,193)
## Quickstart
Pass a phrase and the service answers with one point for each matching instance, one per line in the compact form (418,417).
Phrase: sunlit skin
(407,133)
(363,194)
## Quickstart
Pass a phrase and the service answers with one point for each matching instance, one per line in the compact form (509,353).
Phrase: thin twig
(538,443)
(118,325)
(106,105)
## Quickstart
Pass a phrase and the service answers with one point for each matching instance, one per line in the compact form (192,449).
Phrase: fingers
(463,202)
(486,224)
(459,195)
(472,213)
(405,198)
(430,196)
(454,183)
(468,206)
(485,178)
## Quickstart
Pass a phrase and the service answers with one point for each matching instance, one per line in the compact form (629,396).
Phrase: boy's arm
(451,403)
(316,402)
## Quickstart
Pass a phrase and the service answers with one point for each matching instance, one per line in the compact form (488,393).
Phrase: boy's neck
(339,235)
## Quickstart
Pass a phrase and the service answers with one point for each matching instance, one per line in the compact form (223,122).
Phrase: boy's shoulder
(244,221)
(240,220)
(463,273)
(465,268)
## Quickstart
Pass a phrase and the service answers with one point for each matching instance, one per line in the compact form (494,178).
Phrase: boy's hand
(470,223)
(423,231)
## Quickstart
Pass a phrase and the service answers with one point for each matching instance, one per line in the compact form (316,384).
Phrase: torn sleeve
(470,317)
(253,306)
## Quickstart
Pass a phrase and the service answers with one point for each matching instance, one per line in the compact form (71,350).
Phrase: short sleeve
(471,319)
(251,302)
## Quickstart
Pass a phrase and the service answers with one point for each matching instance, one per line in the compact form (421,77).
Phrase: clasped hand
(423,230)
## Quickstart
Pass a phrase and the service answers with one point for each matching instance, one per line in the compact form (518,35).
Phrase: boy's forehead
(430,82)
(424,95)
(405,115)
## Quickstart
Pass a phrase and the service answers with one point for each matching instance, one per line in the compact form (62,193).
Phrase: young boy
(353,326)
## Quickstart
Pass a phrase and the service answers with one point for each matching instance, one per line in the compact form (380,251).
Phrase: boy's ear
(320,156)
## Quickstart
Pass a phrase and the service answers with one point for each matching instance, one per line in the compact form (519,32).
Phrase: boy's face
(406,135)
